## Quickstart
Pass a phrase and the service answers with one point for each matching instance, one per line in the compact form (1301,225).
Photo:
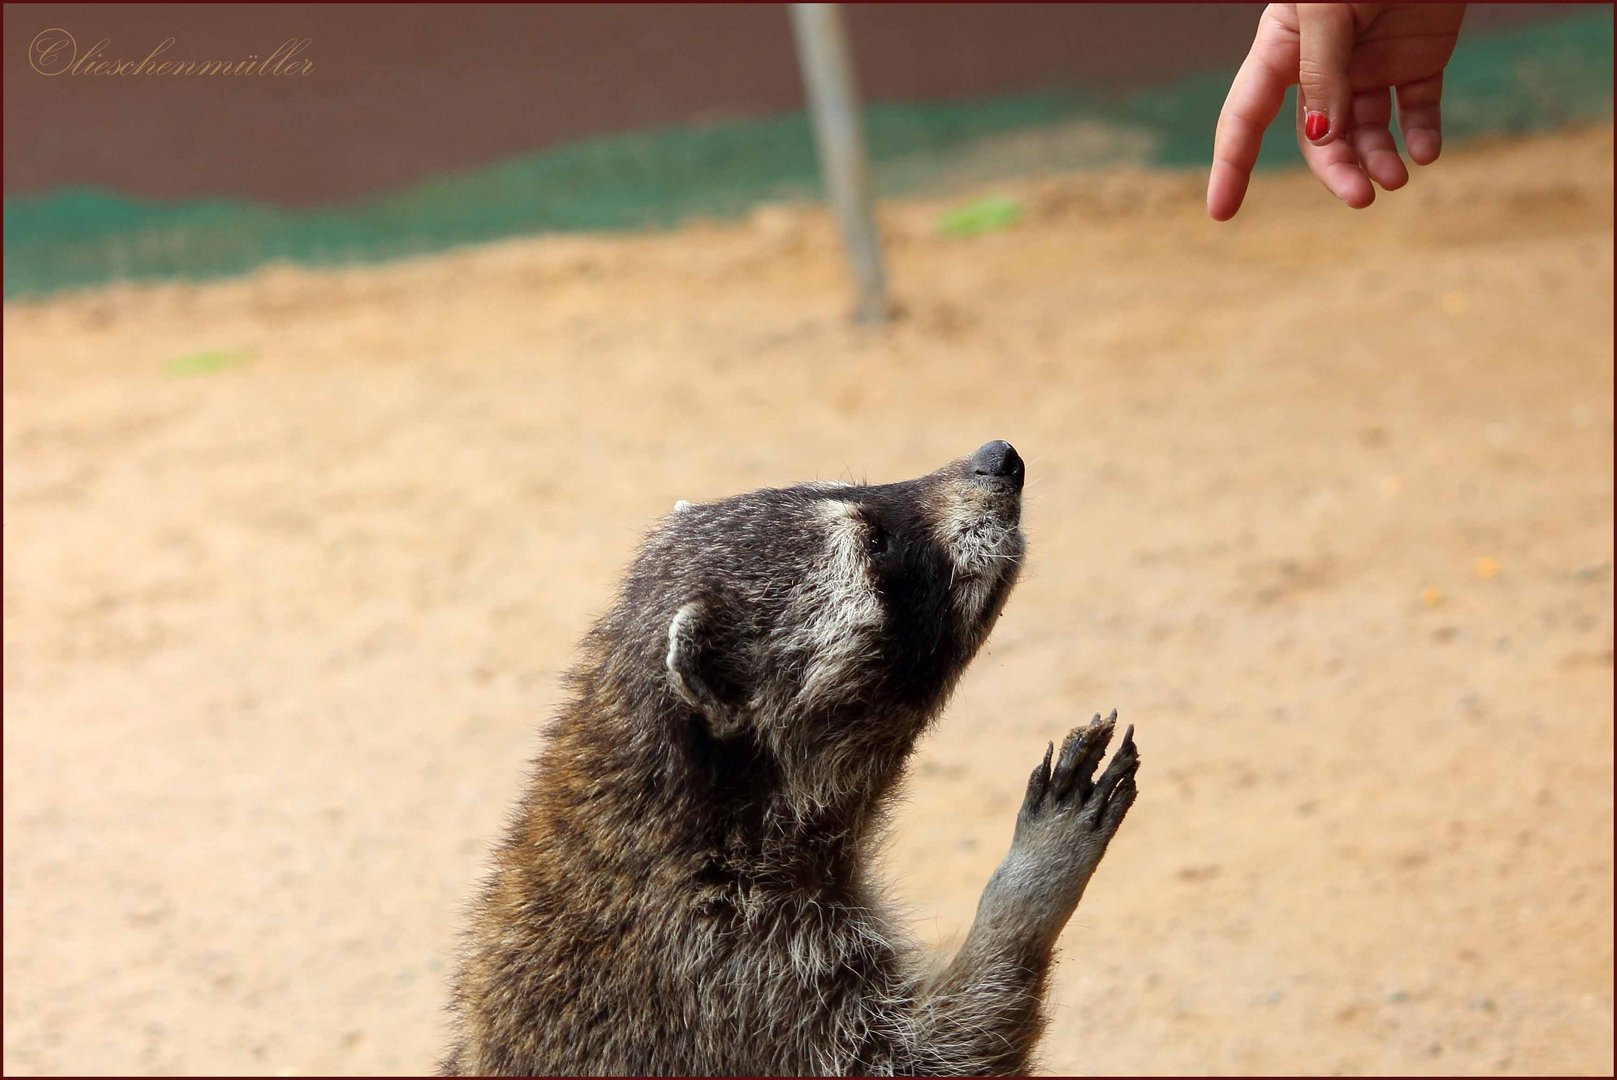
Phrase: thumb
(1325,42)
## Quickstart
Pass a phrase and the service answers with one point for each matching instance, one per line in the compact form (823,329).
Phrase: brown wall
(401,92)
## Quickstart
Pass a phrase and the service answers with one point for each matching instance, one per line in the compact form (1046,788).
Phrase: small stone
(1432,596)
(1486,568)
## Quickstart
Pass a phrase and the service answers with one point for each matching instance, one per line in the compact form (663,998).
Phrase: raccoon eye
(876,542)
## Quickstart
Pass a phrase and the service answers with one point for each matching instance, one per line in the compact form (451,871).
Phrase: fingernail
(1316,125)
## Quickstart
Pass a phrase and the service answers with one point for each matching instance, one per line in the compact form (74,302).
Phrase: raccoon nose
(999,458)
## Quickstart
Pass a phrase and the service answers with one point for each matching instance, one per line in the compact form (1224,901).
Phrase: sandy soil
(278,637)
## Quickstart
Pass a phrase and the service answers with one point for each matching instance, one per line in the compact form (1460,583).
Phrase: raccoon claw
(1115,792)
(1039,782)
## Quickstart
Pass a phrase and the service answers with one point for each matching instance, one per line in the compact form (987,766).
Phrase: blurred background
(336,400)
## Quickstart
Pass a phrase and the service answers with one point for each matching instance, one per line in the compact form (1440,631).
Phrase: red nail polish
(1315,125)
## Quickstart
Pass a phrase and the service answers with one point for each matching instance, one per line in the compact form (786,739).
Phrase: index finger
(1253,102)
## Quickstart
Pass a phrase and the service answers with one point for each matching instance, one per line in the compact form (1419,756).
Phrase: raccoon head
(830,620)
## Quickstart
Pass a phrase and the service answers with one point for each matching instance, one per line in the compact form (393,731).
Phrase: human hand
(1348,59)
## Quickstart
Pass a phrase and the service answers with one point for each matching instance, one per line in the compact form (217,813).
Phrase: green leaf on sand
(983,215)
(204,363)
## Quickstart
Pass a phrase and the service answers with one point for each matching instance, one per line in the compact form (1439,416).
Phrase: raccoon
(683,889)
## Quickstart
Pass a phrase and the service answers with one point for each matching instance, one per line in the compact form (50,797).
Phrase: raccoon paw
(1067,819)
(1069,786)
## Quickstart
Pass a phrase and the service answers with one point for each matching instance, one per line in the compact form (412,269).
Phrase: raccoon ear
(687,671)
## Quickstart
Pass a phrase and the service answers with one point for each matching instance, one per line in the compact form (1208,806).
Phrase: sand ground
(278,636)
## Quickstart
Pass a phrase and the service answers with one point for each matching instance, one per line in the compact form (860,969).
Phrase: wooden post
(833,101)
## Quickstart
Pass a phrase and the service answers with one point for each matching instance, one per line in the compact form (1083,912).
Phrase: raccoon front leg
(983,1014)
